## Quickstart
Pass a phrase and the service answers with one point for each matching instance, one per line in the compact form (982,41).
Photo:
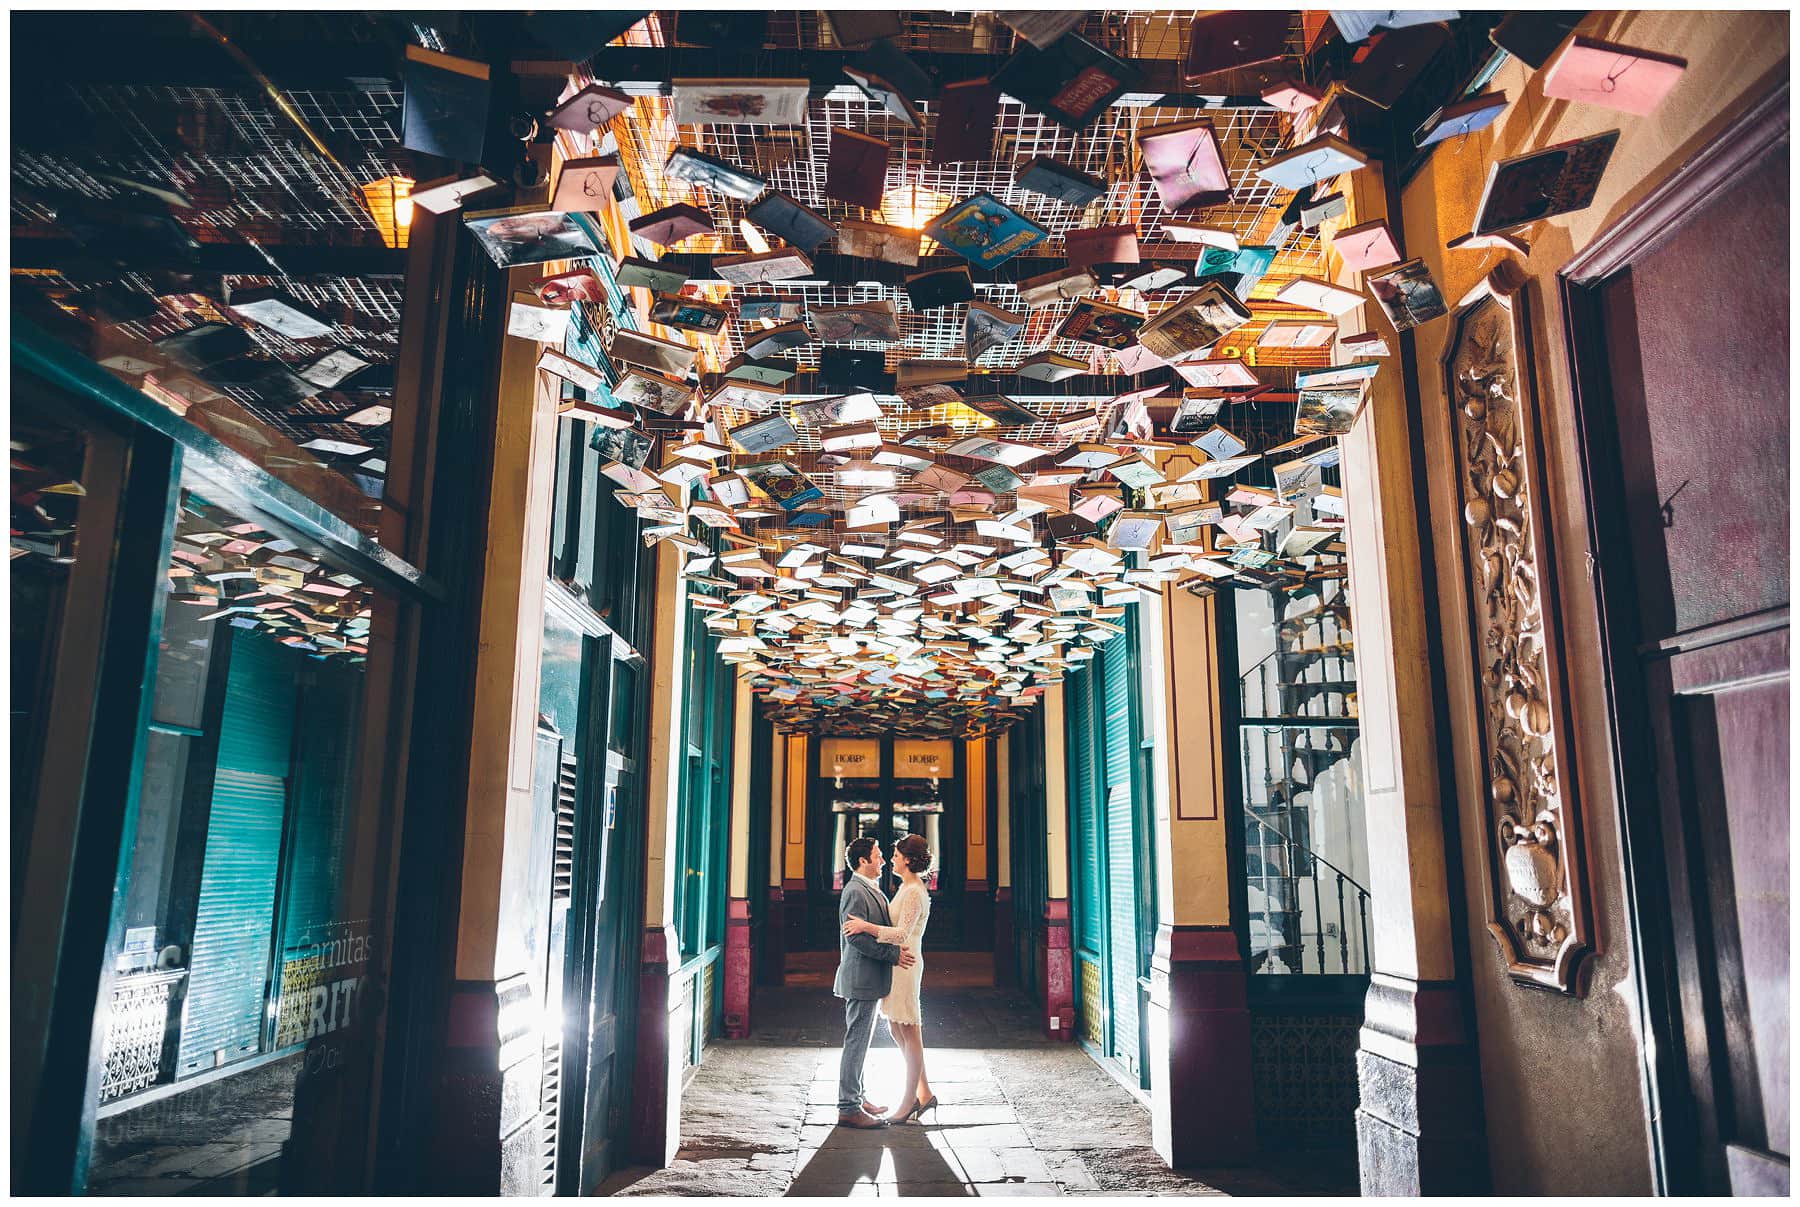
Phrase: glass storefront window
(249,957)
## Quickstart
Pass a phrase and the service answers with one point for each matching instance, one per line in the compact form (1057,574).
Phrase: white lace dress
(911,910)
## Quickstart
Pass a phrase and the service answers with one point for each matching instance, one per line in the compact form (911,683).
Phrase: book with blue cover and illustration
(983,231)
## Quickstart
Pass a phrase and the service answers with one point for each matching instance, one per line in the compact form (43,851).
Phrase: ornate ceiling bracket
(1535,868)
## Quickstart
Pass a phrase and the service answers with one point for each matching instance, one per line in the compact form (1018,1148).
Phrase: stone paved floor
(1018,1115)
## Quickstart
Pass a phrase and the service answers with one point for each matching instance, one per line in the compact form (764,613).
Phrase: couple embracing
(879,971)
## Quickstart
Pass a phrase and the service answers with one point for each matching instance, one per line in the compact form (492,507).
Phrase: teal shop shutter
(1083,814)
(228,968)
(1121,872)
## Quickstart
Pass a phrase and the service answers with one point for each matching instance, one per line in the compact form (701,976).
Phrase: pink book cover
(1137,359)
(671,224)
(1088,246)
(1370,245)
(1612,76)
(1183,160)
(1216,373)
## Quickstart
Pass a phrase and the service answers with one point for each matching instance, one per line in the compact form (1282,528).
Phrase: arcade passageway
(1281,514)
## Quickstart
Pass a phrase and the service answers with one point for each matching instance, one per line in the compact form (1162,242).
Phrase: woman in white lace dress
(911,910)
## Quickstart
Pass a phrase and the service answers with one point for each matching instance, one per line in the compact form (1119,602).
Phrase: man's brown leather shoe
(877,1111)
(861,1119)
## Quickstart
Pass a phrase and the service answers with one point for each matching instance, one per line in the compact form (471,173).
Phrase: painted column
(1198,1024)
(486,1137)
(1004,965)
(978,901)
(656,1068)
(737,904)
(772,969)
(1418,1127)
(795,779)
(1056,991)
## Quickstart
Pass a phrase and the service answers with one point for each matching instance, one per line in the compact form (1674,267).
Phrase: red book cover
(1093,245)
(857,170)
(965,122)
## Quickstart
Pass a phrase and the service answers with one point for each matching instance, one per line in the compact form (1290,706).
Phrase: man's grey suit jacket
(865,967)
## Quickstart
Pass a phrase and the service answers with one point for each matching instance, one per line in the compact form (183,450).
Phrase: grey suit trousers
(859,1028)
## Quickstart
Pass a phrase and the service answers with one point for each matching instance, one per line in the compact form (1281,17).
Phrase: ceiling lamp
(389,202)
(912,206)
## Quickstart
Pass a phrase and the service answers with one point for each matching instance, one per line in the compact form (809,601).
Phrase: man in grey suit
(864,976)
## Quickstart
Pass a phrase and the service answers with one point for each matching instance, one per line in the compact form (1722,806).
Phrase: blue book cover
(983,231)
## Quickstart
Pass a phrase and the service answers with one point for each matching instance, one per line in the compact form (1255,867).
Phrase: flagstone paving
(1017,1114)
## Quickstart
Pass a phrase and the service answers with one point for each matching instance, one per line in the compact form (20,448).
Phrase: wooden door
(1681,330)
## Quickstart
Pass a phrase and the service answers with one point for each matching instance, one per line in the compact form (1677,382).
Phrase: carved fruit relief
(1536,909)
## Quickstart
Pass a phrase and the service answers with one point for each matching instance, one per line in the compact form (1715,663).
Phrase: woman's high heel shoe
(930,1104)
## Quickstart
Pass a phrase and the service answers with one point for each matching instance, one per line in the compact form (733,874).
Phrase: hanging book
(739,102)
(878,241)
(1194,324)
(788,219)
(1531,36)
(1151,277)
(1223,45)
(1196,412)
(986,327)
(529,235)
(1592,72)
(528,318)
(447,193)
(671,224)
(1041,29)
(967,116)
(1056,285)
(584,185)
(776,307)
(1314,294)
(1051,366)
(1104,326)
(652,392)
(856,172)
(1408,295)
(1370,245)
(589,109)
(1184,162)
(689,314)
(763,435)
(1071,81)
(1059,181)
(639,273)
(863,320)
(713,174)
(579,285)
(937,287)
(1004,411)
(984,231)
(777,339)
(1543,184)
(860,26)
(1292,96)
(1320,159)
(1223,374)
(755,268)
(1394,62)
(1328,410)
(1086,247)
(445,109)
(1460,117)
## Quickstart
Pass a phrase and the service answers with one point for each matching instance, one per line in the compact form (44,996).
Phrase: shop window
(249,955)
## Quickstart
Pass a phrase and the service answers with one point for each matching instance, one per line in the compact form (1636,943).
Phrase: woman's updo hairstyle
(917,853)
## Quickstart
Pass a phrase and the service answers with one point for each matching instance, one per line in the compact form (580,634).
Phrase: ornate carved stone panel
(1535,867)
